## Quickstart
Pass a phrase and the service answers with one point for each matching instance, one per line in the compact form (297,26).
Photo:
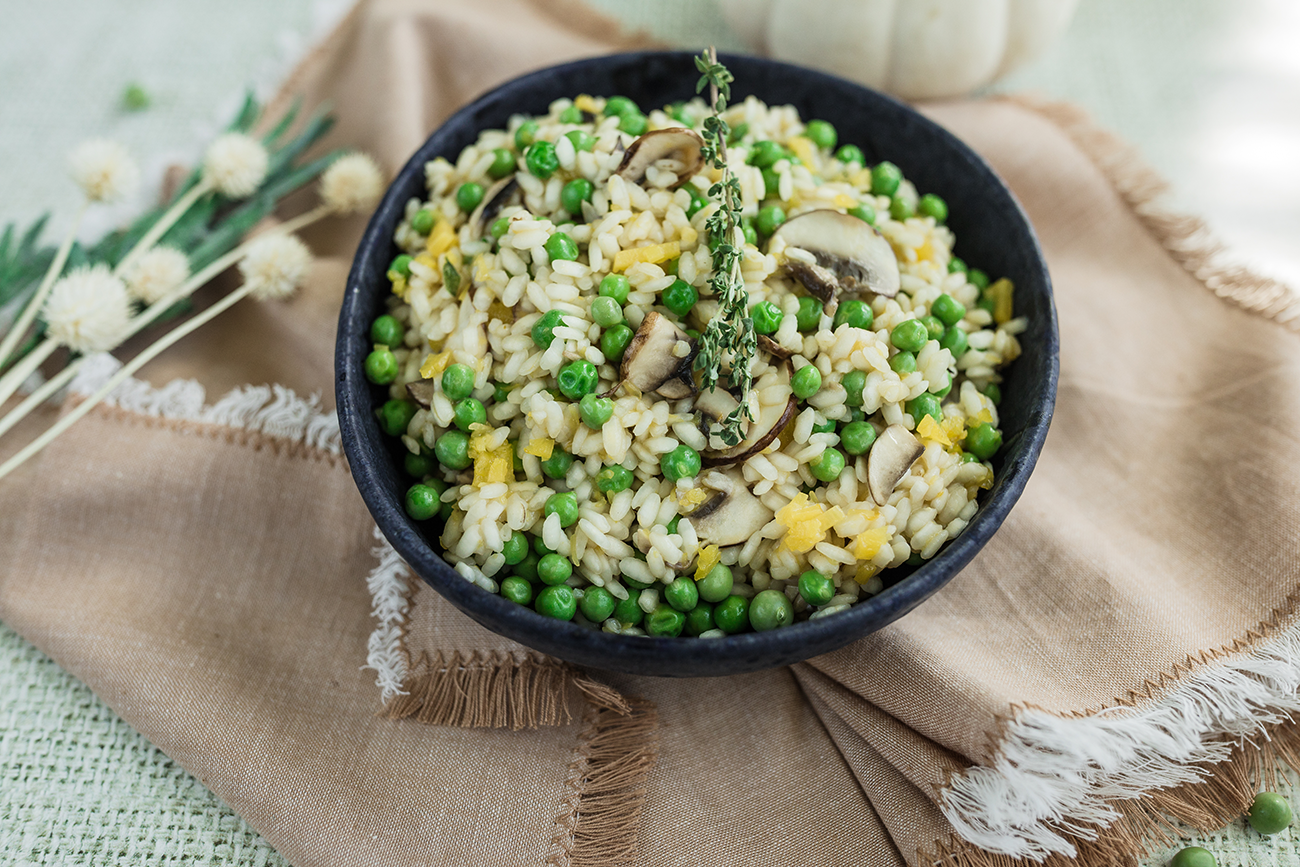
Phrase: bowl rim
(645,654)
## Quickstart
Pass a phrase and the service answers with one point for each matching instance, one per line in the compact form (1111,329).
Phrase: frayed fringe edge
(391,592)
(601,815)
(268,409)
(1187,239)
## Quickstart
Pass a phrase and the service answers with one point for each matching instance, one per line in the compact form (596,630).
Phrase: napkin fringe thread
(485,690)
(1187,238)
(392,593)
(599,823)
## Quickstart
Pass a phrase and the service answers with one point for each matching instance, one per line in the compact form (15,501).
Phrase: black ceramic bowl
(993,234)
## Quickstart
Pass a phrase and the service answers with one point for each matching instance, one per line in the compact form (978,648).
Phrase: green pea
(666,622)
(770,219)
(527,567)
(400,265)
(698,200)
(515,548)
(620,105)
(541,160)
(983,440)
(767,317)
(948,310)
(526,134)
(633,124)
(574,193)
(418,465)
(857,437)
(910,334)
(823,427)
(501,392)
(457,381)
(554,569)
(440,488)
(885,178)
(615,286)
(395,416)
(578,378)
(539,546)
(565,505)
(672,525)
(677,111)
(699,619)
(947,387)
(851,155)
(452,449)
(716,585)
(993,392)
(747,229)
(597,604)
(924,404)
(816,588)
(680,297)
(500,226)
(1193,856)
(765,153)
(901,208)
(605,311)
(738,132)
(561,246)
(864,212)
(628,612)
(1269,813)
(854,382)
(828,465)
(856,313)
(933,206)
(381,367)
(806,381)
(682,594)
(422,222)
(595,411)
(503,163)
(731,615)
(469,411)
(557,465)
(770,609)
(810,313)
(978,279)
(517,590)
(822,134)
(468,195)
(955,265)
(572,114)
(422,502)
(933,326)
(558,602)
(613,480)
(955,341)
(544,329)
(968,458)
(682,462)
(903,363)
(771,184)
(614,342)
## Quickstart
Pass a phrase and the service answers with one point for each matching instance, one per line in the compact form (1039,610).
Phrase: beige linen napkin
(200,562)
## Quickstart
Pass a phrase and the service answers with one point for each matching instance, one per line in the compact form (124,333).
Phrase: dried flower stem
(29,313)
(165,222)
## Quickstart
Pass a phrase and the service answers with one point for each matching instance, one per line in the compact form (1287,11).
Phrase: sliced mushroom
(851,255)
(714,405)
(891,457)
(422,391)
(494,200)
(651,364)
(732,514)
(771,421)
(771,347)
(677,144)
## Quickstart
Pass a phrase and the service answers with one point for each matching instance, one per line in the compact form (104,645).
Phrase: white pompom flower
(88,310)
(104,170)
(352,183)
(157,274)
(235,165)
(275,266)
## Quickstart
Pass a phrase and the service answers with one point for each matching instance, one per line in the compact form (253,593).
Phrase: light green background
(1209,89)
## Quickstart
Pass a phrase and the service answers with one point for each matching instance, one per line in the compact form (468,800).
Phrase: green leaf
(283,125)
(247,116)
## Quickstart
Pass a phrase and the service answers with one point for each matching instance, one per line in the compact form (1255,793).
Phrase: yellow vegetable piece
(1001,293)
(955,428)
(861,178)
(692,500)
(430,262)
(482,268)
(540,447)
(584,102)
(925,251)
(499,311)
(441,239)
(493,466)
(984,415)
(687,238)
(845,202)
(434,365)
(866,572)
(869,543)
(803,149)
(399,284)
(709,557)
(806,523)
(931,430)
(653,254)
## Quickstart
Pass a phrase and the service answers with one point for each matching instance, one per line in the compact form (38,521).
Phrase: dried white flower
(104,170)
(351,184)
(88,310)
(235,164)
(157,274)
(275,266)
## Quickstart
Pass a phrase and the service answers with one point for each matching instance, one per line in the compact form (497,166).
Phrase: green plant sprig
(732,331)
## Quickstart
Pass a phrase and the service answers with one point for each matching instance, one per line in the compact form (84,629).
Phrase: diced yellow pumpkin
(399,284)
(441,239)
(845,201)
(540,447)
(869,542)
(1001,292)
(955,427)
(803,149)
(866,571)
(925,251)
(984,416)
(434,365)
(692,500)
(687,238)
(931,430)
(584,102)
(709,557)
(861,178)
(806,523)
(652,254)
(482,268)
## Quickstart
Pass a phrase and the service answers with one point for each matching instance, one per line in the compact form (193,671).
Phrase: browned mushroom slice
(679,145)
(731,514)
(494,200)
(850,255)
(891,457)
(651,362)
(422,391)
(714,405)
(771,347)
(771,421)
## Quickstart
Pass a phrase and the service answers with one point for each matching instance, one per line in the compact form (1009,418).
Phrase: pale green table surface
(1208,89)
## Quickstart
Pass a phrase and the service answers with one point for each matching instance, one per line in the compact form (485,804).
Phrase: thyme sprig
(732,331)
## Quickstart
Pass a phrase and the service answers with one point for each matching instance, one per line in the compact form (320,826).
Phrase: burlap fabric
(200,563)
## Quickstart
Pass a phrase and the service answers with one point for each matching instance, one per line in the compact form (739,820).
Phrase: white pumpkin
(915,49)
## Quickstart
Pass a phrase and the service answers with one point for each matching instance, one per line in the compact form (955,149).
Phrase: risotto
(540,352)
